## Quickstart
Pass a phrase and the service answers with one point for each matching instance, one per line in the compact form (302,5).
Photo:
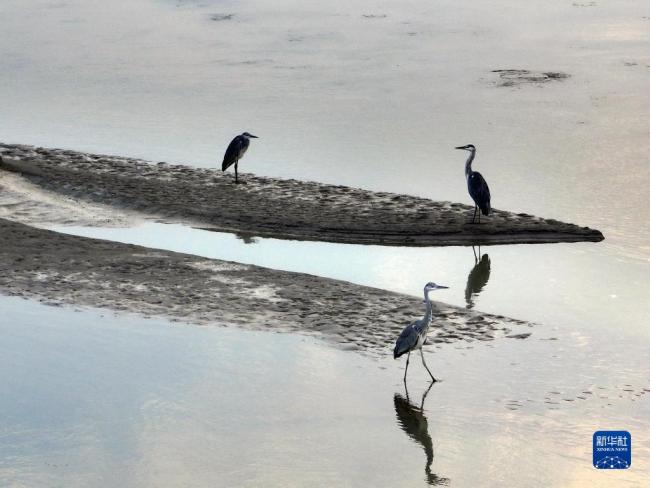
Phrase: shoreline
(275,208)
(60,269)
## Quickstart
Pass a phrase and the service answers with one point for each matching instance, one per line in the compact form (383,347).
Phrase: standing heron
(476,185)
(414,334)
(236,150)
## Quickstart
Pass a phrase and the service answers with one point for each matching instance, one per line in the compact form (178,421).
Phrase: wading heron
(476,185)
(236,150)
(414,334)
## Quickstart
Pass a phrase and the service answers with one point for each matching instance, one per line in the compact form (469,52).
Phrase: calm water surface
(90,399)
(360,93)
(365,94)
(559,284)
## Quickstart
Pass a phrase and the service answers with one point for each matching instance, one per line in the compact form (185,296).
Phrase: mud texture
(23,201)
(59,269)
(267,207)
(516,77)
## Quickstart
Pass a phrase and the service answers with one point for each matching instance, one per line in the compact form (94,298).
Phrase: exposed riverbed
(288,209)
(366,95)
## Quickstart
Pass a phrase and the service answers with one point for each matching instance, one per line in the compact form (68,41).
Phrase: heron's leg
(236,180)
(474,218)
(407,365)
(425,365)
(474,251)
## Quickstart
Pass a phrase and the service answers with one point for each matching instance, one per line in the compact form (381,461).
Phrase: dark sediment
(516,77)
(62,269)
(267,207)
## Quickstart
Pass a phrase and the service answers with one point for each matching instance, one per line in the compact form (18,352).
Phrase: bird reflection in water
(247,238)
(477,278)
(412,420)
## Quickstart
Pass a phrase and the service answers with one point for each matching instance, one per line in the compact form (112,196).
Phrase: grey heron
(414,334)
(476,185)
(236,150)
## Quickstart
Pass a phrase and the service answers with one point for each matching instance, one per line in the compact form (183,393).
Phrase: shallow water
(559,284)
(365,94)
(91,399)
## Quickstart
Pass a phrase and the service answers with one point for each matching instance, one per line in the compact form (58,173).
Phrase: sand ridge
(59,269)
(270,207)
(23,201)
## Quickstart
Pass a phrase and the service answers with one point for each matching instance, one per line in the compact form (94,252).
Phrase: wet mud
(517,77)
(59,269)
(268,207)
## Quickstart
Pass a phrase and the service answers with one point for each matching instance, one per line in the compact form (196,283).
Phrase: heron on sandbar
(415,334)
(476,185)
(236,150)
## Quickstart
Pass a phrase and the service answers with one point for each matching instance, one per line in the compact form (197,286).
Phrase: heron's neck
(468,163)
(429,313)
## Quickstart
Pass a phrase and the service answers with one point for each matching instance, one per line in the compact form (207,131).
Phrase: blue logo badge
(612,449)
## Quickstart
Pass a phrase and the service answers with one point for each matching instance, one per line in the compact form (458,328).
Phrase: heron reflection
(412,420)
(478,277)
(247,238)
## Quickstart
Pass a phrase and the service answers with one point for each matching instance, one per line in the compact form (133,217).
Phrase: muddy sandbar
(270,207)
(62,269)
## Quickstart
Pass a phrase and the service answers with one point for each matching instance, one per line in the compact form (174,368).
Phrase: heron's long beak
(438,287)
(460,147)
(251,135)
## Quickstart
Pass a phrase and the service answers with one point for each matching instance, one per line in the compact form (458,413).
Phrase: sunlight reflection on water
(91,399)
(349,93)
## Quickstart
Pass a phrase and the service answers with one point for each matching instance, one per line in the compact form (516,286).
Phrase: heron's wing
(406,340)
(233,152)
(479,191)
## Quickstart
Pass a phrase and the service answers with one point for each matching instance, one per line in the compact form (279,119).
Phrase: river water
(368,94)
